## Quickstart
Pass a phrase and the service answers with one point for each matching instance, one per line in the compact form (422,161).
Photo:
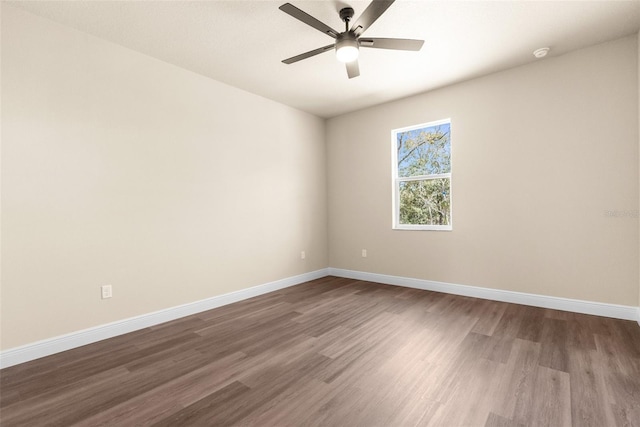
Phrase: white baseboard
(578,306)
(60,343)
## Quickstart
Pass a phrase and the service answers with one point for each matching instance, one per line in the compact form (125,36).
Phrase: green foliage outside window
(424,175)
(425,202)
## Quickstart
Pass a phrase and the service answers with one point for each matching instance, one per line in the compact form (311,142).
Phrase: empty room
(320,213)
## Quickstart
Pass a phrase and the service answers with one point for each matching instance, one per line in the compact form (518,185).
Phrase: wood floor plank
(515,390)
(530,324)
(165,400)
(554,352)
(497,349)
(488,316)
(494,420)
(205,410)
(296,406)
(474,389)
(588,388)
(264,389)
(510,322)
(551,404)
(335,352)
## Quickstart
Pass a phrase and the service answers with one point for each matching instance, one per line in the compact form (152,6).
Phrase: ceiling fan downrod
(346,13)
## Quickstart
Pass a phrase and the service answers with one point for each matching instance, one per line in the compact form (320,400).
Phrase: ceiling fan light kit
(347,47)
(348,43)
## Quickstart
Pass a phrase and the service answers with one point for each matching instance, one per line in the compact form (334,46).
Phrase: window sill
(424,227)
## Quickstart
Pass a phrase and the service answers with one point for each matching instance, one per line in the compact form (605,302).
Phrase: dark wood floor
(343,352)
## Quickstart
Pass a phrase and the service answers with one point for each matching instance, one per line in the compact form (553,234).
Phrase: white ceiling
(242,43)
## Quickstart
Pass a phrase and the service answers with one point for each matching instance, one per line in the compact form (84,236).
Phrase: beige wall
(540,152)
(121,169)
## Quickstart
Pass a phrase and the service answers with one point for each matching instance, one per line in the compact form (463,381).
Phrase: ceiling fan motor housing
(346,39)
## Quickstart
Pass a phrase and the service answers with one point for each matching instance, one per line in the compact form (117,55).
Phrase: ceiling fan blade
(308,19)
(370,15)
(353,69)
(308,54)
(398,44)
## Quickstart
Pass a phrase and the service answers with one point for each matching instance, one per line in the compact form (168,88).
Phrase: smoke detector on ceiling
(541,53)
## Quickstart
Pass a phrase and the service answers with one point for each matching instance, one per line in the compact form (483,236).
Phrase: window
(422,176)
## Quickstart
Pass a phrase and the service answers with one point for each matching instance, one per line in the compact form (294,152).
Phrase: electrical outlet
(303,255)
(364,253)
(107,291)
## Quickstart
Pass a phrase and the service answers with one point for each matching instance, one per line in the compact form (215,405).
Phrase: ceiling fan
(349,41)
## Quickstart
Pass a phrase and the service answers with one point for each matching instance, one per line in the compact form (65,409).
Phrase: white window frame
(396,180)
